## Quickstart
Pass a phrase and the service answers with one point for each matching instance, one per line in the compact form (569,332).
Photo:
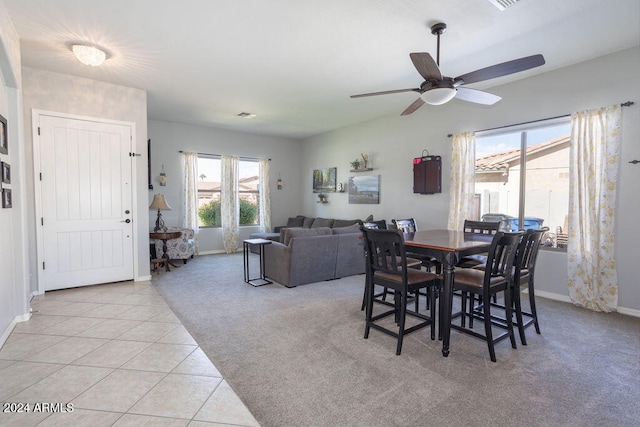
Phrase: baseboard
(564,298)
(14,322)
(216,252)
(142,279)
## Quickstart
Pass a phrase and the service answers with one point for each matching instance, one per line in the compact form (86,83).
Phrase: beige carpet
(297,357)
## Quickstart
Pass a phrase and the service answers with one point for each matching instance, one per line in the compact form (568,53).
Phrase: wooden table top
(447,240)
(165,235)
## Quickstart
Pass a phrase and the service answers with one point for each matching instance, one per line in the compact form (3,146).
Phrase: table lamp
(161,204)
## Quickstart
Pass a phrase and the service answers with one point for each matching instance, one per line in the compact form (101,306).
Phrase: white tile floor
(120,356)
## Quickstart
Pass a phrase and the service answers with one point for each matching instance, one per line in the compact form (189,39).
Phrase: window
(522,178)
(209,185)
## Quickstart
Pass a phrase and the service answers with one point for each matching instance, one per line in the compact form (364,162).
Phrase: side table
(246,246)
(164,236)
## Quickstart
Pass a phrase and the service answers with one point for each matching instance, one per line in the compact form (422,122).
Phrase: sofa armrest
(277,262)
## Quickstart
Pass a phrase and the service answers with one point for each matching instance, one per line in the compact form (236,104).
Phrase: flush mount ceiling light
(89,55)
(246,115)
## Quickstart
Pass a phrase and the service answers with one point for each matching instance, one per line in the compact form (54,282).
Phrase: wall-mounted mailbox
(427,175)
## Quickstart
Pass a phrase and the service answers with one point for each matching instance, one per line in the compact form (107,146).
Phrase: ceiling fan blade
(504,69)
(413,107)
(386,92)
(477,96)
(426,66)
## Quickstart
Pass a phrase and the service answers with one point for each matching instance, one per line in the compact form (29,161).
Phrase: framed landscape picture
(6,172)
(4,141)
(364,189)
(324,180)
(6,198)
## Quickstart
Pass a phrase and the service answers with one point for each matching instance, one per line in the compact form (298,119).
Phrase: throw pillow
(369,218)
(307,222)
(345,222)
(355,228)
(322,222)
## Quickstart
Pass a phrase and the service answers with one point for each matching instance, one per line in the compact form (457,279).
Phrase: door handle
(126,220)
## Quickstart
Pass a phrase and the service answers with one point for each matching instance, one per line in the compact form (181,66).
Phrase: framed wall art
(364,189)
(324,180)
(6,198)
(6,172)
(4,141)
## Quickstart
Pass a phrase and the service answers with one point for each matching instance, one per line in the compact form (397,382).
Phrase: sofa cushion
(345,222)
(290,233)
(322,222)
(355,228)
(298,221)
(307,222)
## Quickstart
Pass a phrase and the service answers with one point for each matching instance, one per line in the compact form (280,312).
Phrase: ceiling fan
(438,89)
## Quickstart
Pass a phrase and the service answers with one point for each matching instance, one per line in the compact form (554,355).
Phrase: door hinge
(134,155)
(41,221)
(40,176)
(43,265)
(38,130)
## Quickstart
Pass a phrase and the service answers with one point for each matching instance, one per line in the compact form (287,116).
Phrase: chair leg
(515,295)
(532,303)
(509,317)
(401,319)
(369,309)
(463,309)
(431,296)
(487,330)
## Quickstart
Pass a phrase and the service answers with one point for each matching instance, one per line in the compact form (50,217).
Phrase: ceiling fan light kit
(438,89)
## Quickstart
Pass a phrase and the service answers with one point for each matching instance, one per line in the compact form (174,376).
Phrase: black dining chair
(477,227)
(392,272)
(524,273)
(495,277)
(411,262)
(408,225)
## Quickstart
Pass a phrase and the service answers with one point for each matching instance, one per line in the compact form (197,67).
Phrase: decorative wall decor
(324,180)
(4,140)
(364,189)
(6,172)
(6,198)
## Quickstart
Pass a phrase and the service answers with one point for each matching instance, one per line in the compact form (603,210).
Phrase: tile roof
(500,161)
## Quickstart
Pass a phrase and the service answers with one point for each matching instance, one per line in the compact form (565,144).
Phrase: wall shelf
(322,201)
(361,170)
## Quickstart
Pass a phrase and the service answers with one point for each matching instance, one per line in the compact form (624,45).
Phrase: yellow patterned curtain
(190,198)
(265,197)
(229,206)
(462,181)
(592,200)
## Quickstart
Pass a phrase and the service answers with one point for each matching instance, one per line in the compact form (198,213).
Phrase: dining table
(447,247)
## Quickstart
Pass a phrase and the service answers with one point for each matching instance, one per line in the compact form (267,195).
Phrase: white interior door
(86,202)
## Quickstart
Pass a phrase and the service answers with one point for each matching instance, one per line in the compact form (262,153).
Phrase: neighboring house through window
(522,178)
(209,184)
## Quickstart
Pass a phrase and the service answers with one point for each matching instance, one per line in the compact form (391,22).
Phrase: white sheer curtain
(462,181)
(592,201)
(190,197)
(265,197)
(229,203)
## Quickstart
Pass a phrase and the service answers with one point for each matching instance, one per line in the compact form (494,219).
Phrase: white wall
(14,289)
(394,141)
(44,90)
(167,139)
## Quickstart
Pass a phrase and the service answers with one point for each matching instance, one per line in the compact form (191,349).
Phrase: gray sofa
(306,255)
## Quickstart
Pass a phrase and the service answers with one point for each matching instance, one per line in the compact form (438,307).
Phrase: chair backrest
(528,251)
(379,244)
(501,256)
(405,225)
(377,225)
(481,227)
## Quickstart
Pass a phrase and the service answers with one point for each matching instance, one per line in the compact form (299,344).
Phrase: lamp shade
(159,203)
(89,55)
(438,95)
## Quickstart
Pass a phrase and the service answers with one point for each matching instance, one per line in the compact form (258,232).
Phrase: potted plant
(322,198)
(355,164)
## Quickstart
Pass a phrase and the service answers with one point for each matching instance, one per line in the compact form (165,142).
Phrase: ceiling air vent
(503,4)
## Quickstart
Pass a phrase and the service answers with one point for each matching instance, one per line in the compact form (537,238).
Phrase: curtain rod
(624,104)
(220,155)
